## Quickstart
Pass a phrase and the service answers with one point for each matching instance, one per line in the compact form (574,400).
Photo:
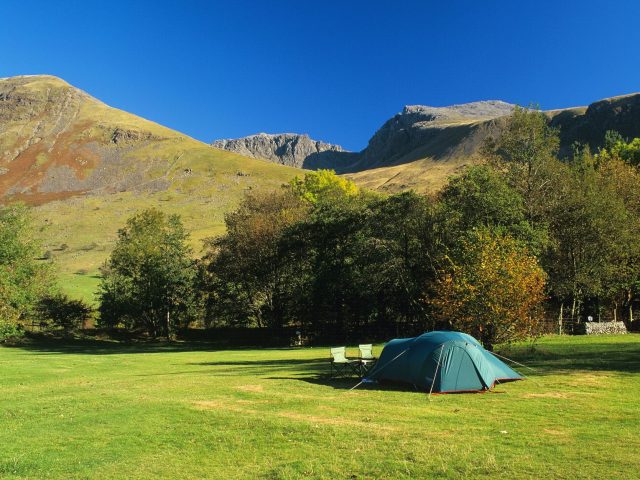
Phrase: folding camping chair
(367,360)
(341,365)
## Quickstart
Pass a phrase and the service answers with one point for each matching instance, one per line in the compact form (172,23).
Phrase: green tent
(457,361)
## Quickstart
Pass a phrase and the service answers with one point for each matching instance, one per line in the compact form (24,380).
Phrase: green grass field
(112,411)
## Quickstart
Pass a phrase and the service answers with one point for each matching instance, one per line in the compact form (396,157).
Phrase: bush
(63,311)
(10,331)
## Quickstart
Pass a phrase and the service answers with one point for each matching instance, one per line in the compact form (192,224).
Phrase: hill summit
(292,149)
(57,141)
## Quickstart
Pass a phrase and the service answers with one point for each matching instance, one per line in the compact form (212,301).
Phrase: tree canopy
(149,280)
(23,278)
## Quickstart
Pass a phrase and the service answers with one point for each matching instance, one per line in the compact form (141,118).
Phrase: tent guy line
(517,363)
(436,373)
(389,362)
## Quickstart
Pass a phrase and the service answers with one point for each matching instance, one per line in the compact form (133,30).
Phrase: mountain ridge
(439,140)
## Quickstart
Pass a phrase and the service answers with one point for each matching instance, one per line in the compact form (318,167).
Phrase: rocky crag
(289,149)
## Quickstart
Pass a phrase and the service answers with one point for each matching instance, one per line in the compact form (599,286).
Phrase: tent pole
(436,372)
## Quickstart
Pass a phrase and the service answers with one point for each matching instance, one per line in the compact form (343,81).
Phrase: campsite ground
(107,410)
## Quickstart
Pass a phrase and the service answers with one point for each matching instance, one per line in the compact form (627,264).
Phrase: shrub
(63,311)
(10,331)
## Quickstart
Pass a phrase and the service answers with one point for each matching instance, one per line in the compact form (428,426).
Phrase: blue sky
(333,69)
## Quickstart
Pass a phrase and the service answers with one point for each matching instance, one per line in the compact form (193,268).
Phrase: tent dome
(456,360)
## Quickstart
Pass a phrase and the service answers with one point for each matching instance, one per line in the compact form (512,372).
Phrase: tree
(592,226)
(149,280)
(63,311)
(494,291)
(526,152)
(401,251)
(617,147)
(323,185)
(625,180)
(482,198)
(365,262)
(246,277)
(23,278)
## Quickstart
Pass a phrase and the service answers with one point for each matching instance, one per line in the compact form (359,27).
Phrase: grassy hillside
(110,411)
(86,167)
(80,231)
(423,176)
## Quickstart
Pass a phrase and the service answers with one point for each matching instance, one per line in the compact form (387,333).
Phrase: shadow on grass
(349,383)
(113,347)
(257,368)
(547,359)
(544,358)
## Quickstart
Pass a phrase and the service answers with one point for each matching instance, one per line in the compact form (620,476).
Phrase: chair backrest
(339,354)
(366,352)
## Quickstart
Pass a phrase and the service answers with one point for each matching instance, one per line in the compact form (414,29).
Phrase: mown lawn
(110,411)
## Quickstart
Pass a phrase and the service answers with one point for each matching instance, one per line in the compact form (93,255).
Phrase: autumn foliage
(494,291)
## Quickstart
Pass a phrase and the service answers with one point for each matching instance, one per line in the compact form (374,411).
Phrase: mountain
(421,146)
(409,152)
(56,142)
(415,133)
(590,124)
(439,133)
(289,149)
(86,167)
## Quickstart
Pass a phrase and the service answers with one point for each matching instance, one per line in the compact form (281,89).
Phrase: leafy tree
(593,236)
(323,185)
(617,147)
(611,138)
(324,247)
(625,180)
(526,152)
(403,249)
(149,280)
(494,291)
(63,311)
(245,276)
(482,198)
(10,331)
(366,262)
(334,267)
(23,278)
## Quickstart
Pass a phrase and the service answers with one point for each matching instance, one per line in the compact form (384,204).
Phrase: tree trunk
(560,318)
(168,326)
(615,311)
